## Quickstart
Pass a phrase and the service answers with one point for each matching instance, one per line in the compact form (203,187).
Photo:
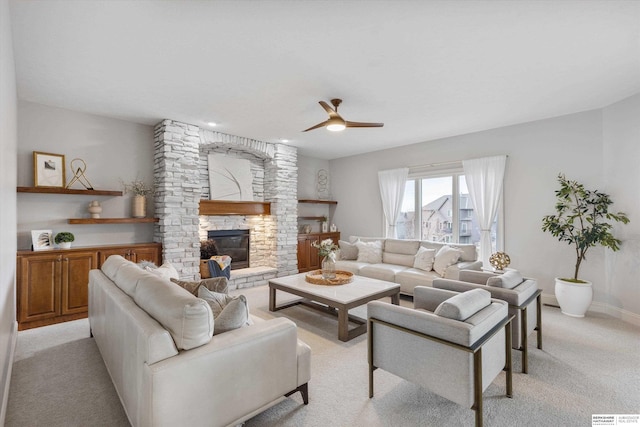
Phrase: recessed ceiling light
(284,140)
(212,124)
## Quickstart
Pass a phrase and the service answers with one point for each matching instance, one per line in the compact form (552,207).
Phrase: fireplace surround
(181,180)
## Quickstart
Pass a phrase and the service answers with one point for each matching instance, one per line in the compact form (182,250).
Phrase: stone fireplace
(182,180)
(234,243)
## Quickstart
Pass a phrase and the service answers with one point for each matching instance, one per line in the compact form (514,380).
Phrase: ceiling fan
(336,123)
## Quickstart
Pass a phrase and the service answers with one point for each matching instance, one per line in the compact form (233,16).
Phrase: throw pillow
(228,312)
(348,251)
(424,259)
(464,305)
(214,284)
(166,271)
(509,280)
(445,257)
(370,252)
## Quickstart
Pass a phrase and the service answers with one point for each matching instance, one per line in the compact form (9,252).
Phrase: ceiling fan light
(336,125)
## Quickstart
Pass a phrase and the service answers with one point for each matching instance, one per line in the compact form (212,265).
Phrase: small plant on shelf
(64,237)
(138,187)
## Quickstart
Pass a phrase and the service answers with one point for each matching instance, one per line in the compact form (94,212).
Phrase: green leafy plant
(64,237)
(583,220)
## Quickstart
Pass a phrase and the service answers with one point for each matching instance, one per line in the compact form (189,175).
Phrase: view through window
(439,209)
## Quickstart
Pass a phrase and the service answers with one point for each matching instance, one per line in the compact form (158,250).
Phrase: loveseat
(167,365)
(409,263)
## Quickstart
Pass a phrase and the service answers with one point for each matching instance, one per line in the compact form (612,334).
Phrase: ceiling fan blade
(319,125)
(363,125)
(332,113)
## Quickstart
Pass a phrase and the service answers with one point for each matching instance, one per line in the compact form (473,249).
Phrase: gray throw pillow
(214,284)
(348,251)
(464,305)
(228,312)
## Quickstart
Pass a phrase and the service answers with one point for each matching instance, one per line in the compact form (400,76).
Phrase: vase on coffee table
(329,266)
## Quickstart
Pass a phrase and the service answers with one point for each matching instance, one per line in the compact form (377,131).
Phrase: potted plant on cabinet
(64,239)
(582,220)
(208,249)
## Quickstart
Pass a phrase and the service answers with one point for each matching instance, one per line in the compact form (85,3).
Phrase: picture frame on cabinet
(42,240)
(48,170)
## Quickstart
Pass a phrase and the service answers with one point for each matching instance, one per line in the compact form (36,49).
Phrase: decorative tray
(342,278)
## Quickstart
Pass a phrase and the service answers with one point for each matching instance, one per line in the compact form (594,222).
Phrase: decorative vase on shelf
(95,209)
(329,266)
(139,206)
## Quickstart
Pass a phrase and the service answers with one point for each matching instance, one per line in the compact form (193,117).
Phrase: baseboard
(6,378)
(600,307)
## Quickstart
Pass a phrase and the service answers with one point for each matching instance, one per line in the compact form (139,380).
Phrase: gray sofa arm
(453,271)
(515,296)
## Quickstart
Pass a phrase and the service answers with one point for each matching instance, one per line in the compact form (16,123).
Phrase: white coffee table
(335,297)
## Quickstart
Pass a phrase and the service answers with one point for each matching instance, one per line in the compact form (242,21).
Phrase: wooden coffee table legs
(344,333)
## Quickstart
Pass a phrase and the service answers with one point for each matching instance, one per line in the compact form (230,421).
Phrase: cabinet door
(39,287)
(75,281)
(308,258)
(150,253)
(106,253)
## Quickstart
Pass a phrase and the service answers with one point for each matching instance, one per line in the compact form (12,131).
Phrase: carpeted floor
(588,366)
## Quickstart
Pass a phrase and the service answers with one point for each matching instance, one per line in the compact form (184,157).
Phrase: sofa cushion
(468,251)
(123,273)
(215,284)
(509,280)
(464,305)
(166,271)
(424,259)
(410,278)
(382,271)
(370,252)
(406,247)
(398,259)
(351,266)
(445,257)
(188,319)
(228,312)
(348,251)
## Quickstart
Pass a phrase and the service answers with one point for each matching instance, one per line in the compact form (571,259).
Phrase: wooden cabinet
(308,258)
(134,253)
(52,286)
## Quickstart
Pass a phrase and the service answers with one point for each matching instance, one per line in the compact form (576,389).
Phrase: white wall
(8,138)
(622,178)
(113,150)
(537,152)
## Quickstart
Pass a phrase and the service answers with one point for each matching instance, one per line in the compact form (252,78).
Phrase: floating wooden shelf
(110,220)
(228,207)
(326,202)
(60,190)
(312,218)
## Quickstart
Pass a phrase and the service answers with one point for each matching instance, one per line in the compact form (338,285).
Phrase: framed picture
(48,170)
(42,239)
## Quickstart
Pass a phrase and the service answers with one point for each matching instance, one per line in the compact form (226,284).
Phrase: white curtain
(484,179)
(392,183)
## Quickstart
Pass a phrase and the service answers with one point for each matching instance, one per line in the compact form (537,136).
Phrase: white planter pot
(574,298)
(65,245)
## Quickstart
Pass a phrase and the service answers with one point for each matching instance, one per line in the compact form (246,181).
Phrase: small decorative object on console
(42,240)
(95,209)
(499,260)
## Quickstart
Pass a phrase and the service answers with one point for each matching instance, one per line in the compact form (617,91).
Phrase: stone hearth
(181,179)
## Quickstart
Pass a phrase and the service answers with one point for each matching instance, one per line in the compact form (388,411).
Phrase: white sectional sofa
(167,365)
(398,261)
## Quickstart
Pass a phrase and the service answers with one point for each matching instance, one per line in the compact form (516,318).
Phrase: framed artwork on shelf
(42,239)
(48,170)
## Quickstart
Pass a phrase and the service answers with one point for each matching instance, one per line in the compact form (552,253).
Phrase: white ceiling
(427,69)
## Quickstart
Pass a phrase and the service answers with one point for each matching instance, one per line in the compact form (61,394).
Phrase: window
(436,206)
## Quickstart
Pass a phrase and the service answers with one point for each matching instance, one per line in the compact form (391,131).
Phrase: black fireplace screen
(234,243)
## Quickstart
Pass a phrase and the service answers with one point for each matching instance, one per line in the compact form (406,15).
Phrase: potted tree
(582,220)
(64,239)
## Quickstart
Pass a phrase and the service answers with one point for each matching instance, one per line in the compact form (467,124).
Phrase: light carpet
(587,366)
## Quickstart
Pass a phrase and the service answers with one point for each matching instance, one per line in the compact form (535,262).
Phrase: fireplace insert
(234,243)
